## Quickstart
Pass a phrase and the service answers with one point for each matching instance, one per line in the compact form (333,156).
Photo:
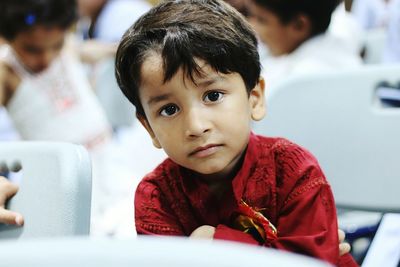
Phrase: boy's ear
(302,26)
(257,100)
(146,125)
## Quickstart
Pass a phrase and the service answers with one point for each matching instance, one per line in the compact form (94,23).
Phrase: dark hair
(318,11)
(239,6)
(182,31)
(21,15)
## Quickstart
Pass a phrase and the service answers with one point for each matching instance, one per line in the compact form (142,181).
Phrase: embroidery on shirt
(252,221)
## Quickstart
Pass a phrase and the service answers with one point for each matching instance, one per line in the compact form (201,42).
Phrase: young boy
(192,70)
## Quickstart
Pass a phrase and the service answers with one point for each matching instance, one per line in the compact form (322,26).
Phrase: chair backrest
(146,252)
(339,119)
(55,188)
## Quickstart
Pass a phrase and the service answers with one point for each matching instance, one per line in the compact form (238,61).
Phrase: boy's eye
(213,96)
(169,110)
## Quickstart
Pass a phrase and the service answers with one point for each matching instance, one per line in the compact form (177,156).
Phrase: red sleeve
(152,214)
(224,232)
(347,261)
(307,223)
(306,212)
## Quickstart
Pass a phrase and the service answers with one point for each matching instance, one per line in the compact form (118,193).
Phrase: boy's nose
(196,123)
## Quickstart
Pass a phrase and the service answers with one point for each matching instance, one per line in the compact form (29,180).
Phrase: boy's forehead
(152,71)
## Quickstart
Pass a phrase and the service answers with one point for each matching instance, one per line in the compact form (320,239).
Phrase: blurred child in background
(295,32)
(43,86)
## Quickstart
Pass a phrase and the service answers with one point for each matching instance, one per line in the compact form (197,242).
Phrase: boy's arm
(307,223)
(153,216)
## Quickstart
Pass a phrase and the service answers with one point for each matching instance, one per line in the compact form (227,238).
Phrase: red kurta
(278,177)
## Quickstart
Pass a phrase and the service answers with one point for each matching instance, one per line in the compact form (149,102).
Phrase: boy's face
(38,47)
(280,38)
(203,127)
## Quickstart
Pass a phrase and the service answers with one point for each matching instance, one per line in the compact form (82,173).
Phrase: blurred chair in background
(54,188)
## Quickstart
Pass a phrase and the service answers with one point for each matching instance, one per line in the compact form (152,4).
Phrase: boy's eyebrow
(155,99)
(210,80)
(203,82)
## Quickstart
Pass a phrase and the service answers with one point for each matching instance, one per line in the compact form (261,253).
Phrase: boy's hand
(7,190)
(343,247)
(203,232)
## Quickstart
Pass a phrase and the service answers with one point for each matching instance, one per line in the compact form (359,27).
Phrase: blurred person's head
(283,25)
(36,29)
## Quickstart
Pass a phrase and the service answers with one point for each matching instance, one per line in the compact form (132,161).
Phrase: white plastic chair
(146,252)
(356,140)
(55,188)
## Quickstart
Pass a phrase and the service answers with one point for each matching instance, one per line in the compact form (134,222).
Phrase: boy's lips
(205,151)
